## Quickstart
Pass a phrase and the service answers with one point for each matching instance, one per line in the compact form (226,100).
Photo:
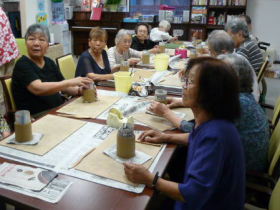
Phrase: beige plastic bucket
(161,62)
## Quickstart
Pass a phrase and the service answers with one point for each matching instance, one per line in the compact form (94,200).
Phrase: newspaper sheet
(62,158)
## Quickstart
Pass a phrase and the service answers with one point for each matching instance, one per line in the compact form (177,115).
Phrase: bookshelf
(208,15)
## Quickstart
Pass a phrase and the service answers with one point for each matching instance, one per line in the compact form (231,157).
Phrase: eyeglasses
(186,82)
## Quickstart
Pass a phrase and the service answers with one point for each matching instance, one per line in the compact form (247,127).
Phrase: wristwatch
(154,183)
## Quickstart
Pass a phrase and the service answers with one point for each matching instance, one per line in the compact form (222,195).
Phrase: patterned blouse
(3,126)
(8,46)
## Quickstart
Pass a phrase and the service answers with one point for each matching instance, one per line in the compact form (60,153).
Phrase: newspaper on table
(139,158)
(62,157)
(26,177)
(52,193)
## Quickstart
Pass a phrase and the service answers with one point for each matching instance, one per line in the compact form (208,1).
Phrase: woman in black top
(94,62)
(37,82)
(141,39)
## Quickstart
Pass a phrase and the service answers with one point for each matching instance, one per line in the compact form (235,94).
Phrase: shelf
(236,7)
(209,26)
(217,7)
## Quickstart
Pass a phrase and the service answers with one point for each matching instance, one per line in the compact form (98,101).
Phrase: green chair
(22,46)
(274,201)
(67,66)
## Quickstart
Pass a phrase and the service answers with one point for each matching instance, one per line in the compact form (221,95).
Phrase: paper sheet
(140,75)
(100,164)
(155,122)
(86,110)
(171,80)
(55,129)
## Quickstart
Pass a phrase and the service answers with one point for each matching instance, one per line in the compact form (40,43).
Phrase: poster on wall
(58,12)
(42,18)
(41,5)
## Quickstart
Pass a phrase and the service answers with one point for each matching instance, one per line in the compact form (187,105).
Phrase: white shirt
(156,35)
(115,58)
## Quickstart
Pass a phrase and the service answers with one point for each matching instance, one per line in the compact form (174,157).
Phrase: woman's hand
(174,102)
(138,174)
(153,136)
(155,50)
(133,61)
(159,108)
(80,81)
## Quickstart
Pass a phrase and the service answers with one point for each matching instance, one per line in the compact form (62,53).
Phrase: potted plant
(113,4)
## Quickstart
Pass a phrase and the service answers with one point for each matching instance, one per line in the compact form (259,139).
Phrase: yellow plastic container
(161,62)
(123,81)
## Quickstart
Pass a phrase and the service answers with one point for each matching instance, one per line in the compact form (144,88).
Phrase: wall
(28,12)
(265,17)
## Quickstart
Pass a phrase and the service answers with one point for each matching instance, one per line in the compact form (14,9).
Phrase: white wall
(265,15)
(28,12)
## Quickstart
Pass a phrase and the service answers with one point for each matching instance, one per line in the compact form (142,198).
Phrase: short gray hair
(165,24)
(243,69)
(236,25)
(220,42)
(121,33)
(37,28)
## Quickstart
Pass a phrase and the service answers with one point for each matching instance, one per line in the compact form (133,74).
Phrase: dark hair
(218,92)
(142,24)
(98,33)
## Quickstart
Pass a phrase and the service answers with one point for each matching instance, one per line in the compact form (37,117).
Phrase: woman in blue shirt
(94,62)
(214,173)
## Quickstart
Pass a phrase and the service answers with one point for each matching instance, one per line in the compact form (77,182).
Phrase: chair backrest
(22,46)
(274,202)
(6,82)
(274,149)
(262,70)
(67,66)
(276,113)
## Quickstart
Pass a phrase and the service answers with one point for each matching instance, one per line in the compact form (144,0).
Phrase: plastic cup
(123,81)
(124,66)
(161,96)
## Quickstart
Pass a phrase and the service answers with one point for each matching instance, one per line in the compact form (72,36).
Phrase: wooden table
(86,195)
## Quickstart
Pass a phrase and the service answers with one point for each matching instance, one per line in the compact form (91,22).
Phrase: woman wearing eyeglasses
(214,176)
(37,82)
(122,51)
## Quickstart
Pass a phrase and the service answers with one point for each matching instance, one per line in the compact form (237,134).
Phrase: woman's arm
(139,174)
(37,87)
(100,77)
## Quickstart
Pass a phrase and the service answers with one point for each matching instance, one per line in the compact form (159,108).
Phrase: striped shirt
(250,50)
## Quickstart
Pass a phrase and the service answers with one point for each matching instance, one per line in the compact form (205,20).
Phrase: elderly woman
(215,164)
(141,39)
(122,51)
(161,33)
(220,42)
(37,82)
(238,30)
(94,62)
(252,125)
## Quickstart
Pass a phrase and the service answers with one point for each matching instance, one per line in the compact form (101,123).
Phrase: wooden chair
(263,69)
(10,105)
(67,66)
